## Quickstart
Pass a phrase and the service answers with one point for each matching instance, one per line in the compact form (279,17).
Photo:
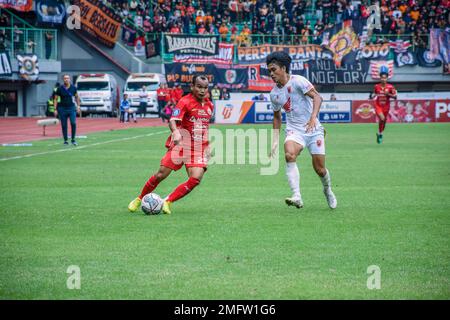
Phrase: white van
(134,84)
(98,93)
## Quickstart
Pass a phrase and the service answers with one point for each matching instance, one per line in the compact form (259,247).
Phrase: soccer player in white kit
(301,102)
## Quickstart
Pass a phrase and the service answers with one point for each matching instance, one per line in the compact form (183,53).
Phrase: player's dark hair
(280,58)
(201,77)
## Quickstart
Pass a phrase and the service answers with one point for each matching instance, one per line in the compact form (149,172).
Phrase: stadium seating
(270,22)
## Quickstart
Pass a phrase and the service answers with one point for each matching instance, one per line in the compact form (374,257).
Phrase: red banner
(407,110)
(19,5)
(256,82)
(363,111)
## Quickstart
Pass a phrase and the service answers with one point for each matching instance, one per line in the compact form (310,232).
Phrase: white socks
(326,180)
(293,176)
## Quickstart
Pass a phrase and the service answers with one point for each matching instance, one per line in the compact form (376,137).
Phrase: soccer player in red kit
(187,145)
(383,93)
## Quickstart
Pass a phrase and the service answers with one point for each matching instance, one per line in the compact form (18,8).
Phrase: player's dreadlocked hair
(280,58)
(201,77)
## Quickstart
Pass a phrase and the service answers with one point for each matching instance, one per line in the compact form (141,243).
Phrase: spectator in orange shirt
(402,7)
(244,38)
(208,18)
(223,30)
(200,19)
(415,14)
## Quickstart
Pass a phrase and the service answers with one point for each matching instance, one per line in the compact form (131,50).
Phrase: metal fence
(42,42)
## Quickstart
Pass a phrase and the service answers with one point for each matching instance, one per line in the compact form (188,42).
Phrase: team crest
(319,143)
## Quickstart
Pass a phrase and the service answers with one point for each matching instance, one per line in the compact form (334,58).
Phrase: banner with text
(100,23)
(222,76)
(207,45)
(225,56)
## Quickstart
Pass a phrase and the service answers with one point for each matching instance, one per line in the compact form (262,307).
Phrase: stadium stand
(280,21)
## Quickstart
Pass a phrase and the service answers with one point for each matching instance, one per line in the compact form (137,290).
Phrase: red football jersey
(194,117)
(381,98)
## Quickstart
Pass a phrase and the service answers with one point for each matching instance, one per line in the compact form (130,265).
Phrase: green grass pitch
(233,237)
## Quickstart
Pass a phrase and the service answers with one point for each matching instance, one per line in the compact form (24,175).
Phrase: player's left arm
(393,93)
(317,102)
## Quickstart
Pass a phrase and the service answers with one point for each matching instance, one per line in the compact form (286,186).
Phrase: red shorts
(176,157)
(382,110)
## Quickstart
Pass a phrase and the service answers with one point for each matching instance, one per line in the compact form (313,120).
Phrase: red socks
(183,189)
(150,185)
(381,125)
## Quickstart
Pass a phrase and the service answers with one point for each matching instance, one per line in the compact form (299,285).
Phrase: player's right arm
(177,116)
(176,135)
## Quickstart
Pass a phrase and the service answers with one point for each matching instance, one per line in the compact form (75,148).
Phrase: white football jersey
(296,104)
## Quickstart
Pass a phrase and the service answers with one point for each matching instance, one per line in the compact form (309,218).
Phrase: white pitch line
(82,147)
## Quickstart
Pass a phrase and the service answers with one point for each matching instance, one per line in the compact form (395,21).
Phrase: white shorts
(315,142)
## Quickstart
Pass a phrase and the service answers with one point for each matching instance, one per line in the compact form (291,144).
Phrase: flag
(434,44)
(128,35)
(400,46)
(405,58)
(425,59)
(151,49)
(28,67)
(139,46)
(343,43)
(376,65)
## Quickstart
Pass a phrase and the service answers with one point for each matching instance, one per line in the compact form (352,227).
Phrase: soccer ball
(151,203)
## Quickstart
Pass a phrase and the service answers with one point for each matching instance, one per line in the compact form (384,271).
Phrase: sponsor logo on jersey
(194,119)
(176,112)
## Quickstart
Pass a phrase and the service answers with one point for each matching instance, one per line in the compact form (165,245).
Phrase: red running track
(14,130)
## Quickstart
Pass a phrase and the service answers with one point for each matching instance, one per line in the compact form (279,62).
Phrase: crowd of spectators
(247,22)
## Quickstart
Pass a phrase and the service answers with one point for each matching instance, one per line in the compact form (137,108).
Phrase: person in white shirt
(301,102)
(143,99)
